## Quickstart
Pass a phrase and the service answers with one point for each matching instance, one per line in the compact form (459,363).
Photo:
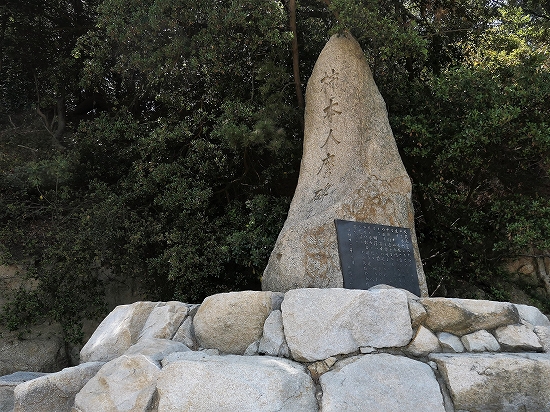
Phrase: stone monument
(351,170)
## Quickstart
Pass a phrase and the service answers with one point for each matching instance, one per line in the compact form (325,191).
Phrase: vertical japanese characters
(331,112)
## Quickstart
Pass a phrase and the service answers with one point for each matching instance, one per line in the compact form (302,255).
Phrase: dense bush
(160,141)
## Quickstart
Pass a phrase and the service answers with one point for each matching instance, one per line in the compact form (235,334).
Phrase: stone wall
(43,348)
(305,350)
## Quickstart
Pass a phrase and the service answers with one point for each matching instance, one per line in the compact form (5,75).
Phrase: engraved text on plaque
(372,254)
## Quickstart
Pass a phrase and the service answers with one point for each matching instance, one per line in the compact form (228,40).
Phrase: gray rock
(543,333)
(480,341)
(46,355)
(252,349)
(188,356)
(351,170)
(19,377)
(316,369)
(126,383)
(450,342)
(186,333)
(193,308)
(410,295)
(8,384)
(418,312)
(164,321)
(236,383)
(381,383)
(156,349)
(464,316)
(284,350)
(276,300)
(273,337)
(211,352)
(319,323)
(518,337)
(497,382)
(423,343)
(531,315)
(118,331)
(231,321)
(54,391)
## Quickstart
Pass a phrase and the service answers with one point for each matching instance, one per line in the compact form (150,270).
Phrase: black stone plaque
(373,254)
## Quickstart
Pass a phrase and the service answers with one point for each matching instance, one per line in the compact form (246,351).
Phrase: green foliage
(477,149)
(183,140)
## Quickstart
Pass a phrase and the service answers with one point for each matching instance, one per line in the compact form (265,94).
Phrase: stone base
(382,350)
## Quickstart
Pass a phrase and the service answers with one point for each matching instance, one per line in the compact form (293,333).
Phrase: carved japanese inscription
(350,169)
(328,85)
(373,254)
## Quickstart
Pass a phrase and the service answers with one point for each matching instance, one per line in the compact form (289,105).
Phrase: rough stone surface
(276,300)
(126,383)
(273,339)
(518,337)
(186,333)
(531,315)
(497,382)
(118,331)
(45,355)
(231,321)
(450,342)
(410,295)
(156,349)
(55,391)
(381,383)
(327,329)
(235,383)
(187,356)
(252,349)
(164,321)
(351,170)
(543,332)
(8,384)
(418,312)
(480,341)
(464,316)
(319,323)
(316,369)
(424,342)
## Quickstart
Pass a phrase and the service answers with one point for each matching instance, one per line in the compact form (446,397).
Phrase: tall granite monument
(350,170)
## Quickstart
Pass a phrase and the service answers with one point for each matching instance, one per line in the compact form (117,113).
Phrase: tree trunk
(295,55)
(61,124)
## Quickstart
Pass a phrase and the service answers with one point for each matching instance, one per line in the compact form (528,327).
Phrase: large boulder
(464,316)
(351,170)
(235,383)
(118,331)
(497,382)
(518,337)
(164,320)
(531,315)
(126,383)
(55,391)
(232,321)
(380,383)
(320,323)
(41,350)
